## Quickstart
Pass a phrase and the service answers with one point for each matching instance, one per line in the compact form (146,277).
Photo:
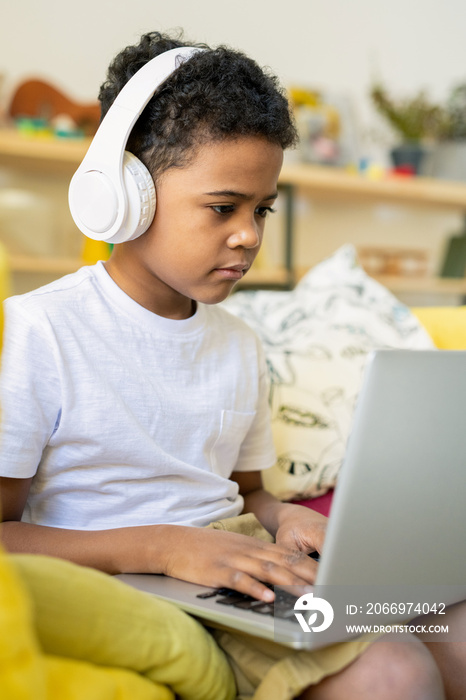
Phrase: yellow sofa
(446,325)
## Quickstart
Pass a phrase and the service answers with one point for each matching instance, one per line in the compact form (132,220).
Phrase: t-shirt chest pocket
(223,455)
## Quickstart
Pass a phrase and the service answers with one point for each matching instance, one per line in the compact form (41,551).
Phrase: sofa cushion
(317,339)
(103,639)
(27,673)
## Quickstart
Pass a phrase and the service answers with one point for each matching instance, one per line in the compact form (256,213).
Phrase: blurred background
(365,77)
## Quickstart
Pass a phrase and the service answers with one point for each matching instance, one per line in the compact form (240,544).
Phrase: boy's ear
(112,194)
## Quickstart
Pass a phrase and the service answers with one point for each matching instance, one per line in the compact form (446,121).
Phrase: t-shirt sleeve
(29,391)
(257,450)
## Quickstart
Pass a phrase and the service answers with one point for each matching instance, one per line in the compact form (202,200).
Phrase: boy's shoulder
(60,290)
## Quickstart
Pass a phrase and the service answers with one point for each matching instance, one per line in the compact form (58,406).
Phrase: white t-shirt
(124,417)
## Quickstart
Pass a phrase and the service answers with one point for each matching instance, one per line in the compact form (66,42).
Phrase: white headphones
(112,194)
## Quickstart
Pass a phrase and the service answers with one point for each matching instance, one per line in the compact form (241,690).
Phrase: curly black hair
(218,94)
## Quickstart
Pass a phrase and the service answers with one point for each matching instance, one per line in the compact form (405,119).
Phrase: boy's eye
(224,208)
(263,211)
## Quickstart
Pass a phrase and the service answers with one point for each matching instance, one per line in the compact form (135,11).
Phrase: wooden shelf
(41,153)
(335,183)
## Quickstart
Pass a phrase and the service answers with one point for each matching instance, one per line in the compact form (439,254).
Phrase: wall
(337,44)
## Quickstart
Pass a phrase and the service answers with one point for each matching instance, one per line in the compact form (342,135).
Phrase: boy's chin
(212,302)
(215,296)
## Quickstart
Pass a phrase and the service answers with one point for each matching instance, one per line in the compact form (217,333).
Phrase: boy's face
(207,230)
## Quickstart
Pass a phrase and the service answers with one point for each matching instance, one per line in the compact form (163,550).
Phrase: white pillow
(316,339)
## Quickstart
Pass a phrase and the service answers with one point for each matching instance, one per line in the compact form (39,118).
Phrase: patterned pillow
(316,339)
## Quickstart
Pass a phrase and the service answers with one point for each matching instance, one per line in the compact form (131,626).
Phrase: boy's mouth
(233,272)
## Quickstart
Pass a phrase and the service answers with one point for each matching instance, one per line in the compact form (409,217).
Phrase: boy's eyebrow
(240,195)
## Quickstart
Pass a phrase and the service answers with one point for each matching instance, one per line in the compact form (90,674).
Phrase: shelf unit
(62,157)
(333,184)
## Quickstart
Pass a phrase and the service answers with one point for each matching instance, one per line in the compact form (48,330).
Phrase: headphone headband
(112,195)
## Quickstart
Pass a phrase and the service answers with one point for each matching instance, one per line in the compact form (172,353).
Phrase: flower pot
(408,156)
(448,161)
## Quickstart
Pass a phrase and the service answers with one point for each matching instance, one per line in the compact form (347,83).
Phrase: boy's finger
(280,574)
(293,560)
(244,583)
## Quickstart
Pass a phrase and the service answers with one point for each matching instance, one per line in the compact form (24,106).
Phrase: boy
(135,410)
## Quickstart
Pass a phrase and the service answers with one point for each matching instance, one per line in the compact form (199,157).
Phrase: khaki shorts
(266,670)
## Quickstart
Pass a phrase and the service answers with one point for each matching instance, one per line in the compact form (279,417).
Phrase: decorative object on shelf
(448,160)
(38,100)
(408,158)
(326,127)
(454,263)
(393,261)
(433,136)
(454,124)
(415,120)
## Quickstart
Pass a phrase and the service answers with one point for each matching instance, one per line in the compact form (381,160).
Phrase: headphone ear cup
(141,199)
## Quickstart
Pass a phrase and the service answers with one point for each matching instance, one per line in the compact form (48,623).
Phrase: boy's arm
(205,556)
(292,525)
(120,550)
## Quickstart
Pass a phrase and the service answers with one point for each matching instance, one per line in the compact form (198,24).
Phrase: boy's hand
(218,558)
(294,527)
(301,528)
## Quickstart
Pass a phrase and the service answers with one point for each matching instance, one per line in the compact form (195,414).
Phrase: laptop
(395,545)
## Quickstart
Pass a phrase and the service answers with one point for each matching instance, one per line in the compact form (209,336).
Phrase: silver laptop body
(397,531)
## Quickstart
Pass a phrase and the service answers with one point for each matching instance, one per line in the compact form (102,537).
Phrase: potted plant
(449,155)
(415,120)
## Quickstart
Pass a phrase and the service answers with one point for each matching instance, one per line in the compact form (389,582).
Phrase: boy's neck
(162,302)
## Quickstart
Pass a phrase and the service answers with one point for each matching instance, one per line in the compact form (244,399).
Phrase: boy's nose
(247,235)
